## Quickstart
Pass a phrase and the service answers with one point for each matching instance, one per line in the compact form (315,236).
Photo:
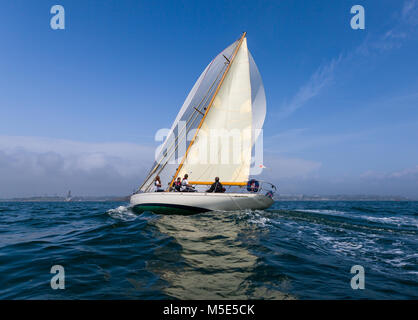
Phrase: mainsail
(216,128)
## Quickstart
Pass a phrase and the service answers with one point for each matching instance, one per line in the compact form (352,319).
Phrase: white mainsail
(221,115)
(223,143)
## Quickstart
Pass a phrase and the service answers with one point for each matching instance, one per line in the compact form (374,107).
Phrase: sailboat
(69,196)
(215,134)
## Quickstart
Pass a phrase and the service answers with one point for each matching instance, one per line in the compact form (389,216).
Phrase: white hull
(194,202)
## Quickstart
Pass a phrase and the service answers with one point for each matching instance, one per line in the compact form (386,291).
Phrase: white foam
(320,211)
(122,213)
(393,220)
(260,221)
(257,218)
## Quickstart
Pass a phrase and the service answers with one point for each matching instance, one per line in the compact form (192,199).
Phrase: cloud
(410,12)
(37,166)
(319,80)
(397,183)
(323,77)
(402,182)
(279,167)
(394,38)
(405,174)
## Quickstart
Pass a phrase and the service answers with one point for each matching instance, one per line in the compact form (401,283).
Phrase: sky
(79,107)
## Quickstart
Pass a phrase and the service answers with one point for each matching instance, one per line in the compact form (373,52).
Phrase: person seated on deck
(185,184)
(157,184)
(216,187)
(177,184)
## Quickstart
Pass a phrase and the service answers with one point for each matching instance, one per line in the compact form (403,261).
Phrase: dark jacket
(177,185)
(216,187)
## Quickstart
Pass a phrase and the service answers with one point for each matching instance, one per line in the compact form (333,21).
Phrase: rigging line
(152,171)
(207,94)
(192,118)
(219,146)
(207,70)
(168,159)
(176,147)
(205,98)
(199,111)
(210,104)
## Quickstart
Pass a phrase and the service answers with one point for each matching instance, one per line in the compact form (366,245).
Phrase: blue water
(294,250)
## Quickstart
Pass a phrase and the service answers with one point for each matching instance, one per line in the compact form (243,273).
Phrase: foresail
(169,155)
(223,144)
(218,125)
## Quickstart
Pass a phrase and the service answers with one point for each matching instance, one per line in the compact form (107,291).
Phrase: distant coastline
(280,197)
(340,197)
(64,199)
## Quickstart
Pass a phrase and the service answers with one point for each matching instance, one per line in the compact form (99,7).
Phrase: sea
(293,250)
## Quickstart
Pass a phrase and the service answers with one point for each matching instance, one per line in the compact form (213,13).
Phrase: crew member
(157,184)
(185,184)
(216,187)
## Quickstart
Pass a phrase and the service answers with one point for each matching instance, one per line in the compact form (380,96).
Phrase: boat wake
(122,213)
(256,217)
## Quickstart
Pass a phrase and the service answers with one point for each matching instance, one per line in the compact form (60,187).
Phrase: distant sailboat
(227,97)
(69,197)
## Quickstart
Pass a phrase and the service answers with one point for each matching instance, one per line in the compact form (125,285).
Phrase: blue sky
(79,107)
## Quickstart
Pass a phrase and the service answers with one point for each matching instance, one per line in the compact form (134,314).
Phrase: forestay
(224,139)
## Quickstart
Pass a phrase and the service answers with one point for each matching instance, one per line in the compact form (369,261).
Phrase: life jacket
(253,185)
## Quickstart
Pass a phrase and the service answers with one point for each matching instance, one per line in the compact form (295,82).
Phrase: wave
(378,222)
(122,213)
(301,249)
(327,212)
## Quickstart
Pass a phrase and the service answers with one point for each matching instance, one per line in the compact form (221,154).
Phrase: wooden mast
(208,108)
